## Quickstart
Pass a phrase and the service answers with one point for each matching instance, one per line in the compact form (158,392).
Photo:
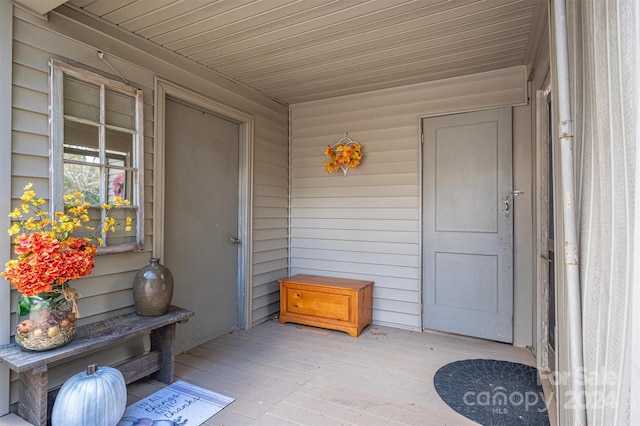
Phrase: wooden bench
(33,394)
(334,303)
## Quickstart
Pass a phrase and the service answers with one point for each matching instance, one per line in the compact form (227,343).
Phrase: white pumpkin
(97,397)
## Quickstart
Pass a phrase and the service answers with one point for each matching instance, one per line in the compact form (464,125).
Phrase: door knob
(235,240)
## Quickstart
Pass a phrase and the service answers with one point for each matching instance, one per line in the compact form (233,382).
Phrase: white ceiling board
(301,50)
(40,6)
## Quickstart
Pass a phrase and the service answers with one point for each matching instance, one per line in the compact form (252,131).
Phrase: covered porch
(287,81)
(289,374)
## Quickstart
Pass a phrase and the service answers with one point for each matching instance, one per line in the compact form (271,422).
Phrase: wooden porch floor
(288,374)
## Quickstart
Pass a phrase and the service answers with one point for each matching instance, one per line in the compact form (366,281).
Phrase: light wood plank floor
(288,374)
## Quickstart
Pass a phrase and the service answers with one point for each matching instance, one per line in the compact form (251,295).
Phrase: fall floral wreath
(346,154)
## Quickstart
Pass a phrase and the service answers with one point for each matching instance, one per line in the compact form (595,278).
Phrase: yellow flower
(127,203)
(30,224)
(28,195)
(14,229)
(66,226)
(105,206)
(108,224)
(129,220)
(127,228)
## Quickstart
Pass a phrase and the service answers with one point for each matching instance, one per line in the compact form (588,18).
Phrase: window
(97,148)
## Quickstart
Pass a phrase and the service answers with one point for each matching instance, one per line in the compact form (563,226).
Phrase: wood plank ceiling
(301,50)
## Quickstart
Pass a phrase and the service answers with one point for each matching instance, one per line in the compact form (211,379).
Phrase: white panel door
(201,219)
(468,224)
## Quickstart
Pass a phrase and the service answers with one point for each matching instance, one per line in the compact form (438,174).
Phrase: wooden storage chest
(333,303)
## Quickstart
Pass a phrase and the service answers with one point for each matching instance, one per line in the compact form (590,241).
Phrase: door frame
(543,170)
(162,89)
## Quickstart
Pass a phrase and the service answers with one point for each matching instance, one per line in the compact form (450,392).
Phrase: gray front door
(201,219)
(468,224)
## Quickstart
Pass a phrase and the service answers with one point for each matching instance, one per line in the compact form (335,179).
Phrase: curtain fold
(603,53)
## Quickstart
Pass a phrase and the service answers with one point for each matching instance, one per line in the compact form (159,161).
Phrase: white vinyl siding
(107,291)
(270,203)
(367,225)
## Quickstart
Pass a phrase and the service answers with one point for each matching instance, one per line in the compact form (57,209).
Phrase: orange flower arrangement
(47,255)
(44,262)
(345,155)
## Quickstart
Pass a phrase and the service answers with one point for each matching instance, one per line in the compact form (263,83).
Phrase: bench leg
(163,340)
(32,396)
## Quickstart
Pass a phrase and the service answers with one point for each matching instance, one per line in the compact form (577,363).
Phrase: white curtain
(603,56)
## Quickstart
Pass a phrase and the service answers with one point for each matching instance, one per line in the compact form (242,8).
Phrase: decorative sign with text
(178,404)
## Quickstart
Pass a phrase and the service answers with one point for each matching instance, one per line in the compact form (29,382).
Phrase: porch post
(6,58)
(570,237)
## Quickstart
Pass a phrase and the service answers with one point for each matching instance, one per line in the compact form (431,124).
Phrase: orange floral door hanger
(346,154)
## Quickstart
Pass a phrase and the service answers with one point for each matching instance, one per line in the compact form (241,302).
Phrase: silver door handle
(235,240)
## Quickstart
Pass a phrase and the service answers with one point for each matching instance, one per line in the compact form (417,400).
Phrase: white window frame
(56,140)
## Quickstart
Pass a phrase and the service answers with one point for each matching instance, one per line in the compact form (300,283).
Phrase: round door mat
(493,392)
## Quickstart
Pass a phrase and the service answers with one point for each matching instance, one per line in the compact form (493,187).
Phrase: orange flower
(343,156)
(47,259)
(44,262)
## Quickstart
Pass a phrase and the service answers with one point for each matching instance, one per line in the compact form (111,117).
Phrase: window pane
(81,135)
(120,185)
(121,235)
(120,110)
(119,148)
(84,179)
(91,228)
(81,161)
(81,99)
(119,154)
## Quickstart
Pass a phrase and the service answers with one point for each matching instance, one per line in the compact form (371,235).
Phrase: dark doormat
(493,393)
